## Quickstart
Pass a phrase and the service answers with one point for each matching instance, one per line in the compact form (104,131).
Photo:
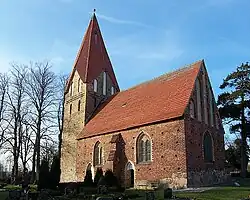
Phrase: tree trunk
(38,136)
(244,160)
(15,156)
(33,177)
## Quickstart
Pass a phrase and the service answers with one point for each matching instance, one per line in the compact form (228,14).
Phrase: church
(165,131)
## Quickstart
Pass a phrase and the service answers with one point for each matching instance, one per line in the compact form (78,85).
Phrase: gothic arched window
(198,99)
(204,88)
(98,154)
(144,149)
(191,109)
(211,108)
(95,85)
(79,85)
(104,89)
(208,147)
(71,89)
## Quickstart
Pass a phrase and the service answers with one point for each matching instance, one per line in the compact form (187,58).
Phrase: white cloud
(120,21)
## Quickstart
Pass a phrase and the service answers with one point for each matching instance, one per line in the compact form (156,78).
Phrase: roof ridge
(181,69)
(91,30)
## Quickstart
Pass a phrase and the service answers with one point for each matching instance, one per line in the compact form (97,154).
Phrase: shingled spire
(92,57)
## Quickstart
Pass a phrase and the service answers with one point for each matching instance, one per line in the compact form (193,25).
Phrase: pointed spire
(92,56)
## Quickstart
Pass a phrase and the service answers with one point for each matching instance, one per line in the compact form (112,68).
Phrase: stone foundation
(207,178)
(177,181)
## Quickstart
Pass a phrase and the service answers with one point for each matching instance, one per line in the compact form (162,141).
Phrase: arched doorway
(90,173)
(129,175)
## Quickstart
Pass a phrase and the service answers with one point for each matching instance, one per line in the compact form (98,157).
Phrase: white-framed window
(104,91)
(95,85)
(112,90)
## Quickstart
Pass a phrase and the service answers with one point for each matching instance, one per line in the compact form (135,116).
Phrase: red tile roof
(163,98)
(92,57)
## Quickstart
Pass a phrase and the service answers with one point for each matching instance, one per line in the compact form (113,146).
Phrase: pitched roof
(163,98)
(92,57)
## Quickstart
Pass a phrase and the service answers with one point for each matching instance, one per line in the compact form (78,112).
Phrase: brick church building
(166,130)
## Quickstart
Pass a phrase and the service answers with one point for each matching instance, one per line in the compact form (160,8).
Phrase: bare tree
(4,85)
(41,91)
(62,80)
(27,145)
(17,110)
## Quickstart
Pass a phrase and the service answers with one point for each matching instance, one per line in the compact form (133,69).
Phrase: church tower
(91,81)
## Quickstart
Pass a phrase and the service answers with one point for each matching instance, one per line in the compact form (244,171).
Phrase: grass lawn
(222,193)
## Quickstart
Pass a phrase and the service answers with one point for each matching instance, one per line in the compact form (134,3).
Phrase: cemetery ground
(213,193)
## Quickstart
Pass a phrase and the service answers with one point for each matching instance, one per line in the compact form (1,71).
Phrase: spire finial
(94,10)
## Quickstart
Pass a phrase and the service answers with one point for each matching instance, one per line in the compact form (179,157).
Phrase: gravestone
(168,193)
(102,189)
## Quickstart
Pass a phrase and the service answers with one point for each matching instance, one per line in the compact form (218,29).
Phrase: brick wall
(73,124)
(198,170)
(168,153)
(94,98)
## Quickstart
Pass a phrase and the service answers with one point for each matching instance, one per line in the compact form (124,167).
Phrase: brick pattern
(168,147)
(93,99)
(73,123)
(194,131)
(177,141)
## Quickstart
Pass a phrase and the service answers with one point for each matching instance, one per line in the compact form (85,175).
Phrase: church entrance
(130,175)
(89,175)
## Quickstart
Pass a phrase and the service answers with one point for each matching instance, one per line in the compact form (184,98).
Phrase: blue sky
(144,38)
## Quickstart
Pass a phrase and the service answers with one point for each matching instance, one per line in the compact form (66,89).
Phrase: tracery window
(98,160)
(144,149)
(208,147)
